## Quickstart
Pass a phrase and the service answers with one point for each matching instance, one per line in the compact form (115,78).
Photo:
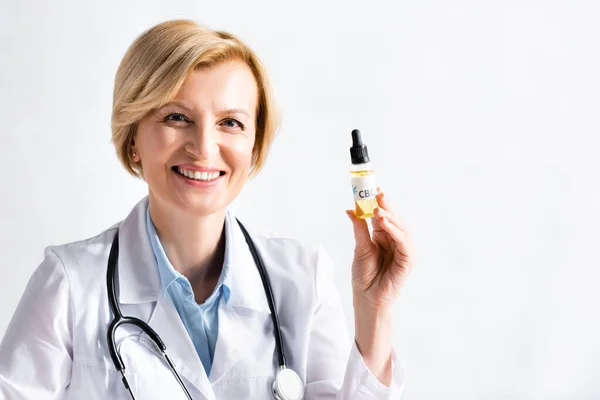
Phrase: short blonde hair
(157,64)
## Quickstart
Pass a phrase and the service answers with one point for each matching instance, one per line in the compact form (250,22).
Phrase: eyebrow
(178,103)
(183,104)
(235,111)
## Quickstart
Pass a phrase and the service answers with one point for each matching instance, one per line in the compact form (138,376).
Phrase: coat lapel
(139,282)
(243,316)
(166,322)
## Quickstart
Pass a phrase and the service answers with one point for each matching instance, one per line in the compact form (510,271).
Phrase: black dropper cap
(358,152)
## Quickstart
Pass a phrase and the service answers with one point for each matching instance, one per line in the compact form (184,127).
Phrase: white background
(481,118)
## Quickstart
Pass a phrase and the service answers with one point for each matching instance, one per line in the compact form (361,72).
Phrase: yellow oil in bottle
(364,208)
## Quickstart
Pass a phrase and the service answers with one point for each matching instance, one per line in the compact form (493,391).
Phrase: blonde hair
(157,64)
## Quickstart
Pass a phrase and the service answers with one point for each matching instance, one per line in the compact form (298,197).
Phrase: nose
(201,142)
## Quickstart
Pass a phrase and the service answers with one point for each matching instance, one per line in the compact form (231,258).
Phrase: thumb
(361,230)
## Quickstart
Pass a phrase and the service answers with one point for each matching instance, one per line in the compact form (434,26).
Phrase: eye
(176,117)
(232,123)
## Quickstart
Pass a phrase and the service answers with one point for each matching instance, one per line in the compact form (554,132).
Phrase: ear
(133,150)
(134,153)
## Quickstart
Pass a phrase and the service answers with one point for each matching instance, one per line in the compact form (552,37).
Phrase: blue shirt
(200,320)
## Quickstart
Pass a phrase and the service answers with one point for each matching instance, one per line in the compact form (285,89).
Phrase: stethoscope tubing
(120,320)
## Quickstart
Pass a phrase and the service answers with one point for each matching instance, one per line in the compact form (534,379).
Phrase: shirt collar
(168,274)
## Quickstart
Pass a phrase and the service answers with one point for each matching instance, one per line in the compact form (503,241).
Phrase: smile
(199,176)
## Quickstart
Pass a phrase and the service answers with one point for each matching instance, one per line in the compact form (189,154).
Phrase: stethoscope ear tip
(288,385)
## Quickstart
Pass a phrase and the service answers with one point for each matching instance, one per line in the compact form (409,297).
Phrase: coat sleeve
(36,351)
(336,369)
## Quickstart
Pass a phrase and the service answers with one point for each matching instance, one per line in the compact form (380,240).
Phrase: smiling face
(196,151)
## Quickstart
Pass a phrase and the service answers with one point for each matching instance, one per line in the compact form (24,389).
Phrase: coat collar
(138,276)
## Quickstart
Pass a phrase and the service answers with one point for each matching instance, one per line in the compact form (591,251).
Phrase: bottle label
(364,187)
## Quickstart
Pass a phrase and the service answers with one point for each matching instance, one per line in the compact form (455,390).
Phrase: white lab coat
(55,345)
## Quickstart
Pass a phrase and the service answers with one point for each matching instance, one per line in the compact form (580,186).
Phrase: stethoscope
(287,384)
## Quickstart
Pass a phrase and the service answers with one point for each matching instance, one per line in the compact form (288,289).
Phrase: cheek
(160,143)
(155,145)
(241,154)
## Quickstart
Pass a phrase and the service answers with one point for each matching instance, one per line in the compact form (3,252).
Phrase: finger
(383,202)
(380,211)
(361,228)
(398,236)
(375,221)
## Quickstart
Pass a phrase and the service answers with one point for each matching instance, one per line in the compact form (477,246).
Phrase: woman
(193,116)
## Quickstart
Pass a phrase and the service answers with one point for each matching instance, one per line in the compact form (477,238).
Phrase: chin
(200,206)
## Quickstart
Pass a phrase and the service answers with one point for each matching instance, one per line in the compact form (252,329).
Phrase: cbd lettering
(367,194)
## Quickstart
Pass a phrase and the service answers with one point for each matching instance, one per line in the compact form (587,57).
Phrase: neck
(195,246)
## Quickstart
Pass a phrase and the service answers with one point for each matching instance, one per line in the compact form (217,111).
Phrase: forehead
(228,85)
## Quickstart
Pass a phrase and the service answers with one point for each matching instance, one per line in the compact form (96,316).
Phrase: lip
(199,168)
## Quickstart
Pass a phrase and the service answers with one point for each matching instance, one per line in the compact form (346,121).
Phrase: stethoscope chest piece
(288,385)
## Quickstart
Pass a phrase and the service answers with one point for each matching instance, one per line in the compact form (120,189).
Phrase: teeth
(199,176)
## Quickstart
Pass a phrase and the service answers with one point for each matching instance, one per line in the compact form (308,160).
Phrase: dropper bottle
(364,185)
